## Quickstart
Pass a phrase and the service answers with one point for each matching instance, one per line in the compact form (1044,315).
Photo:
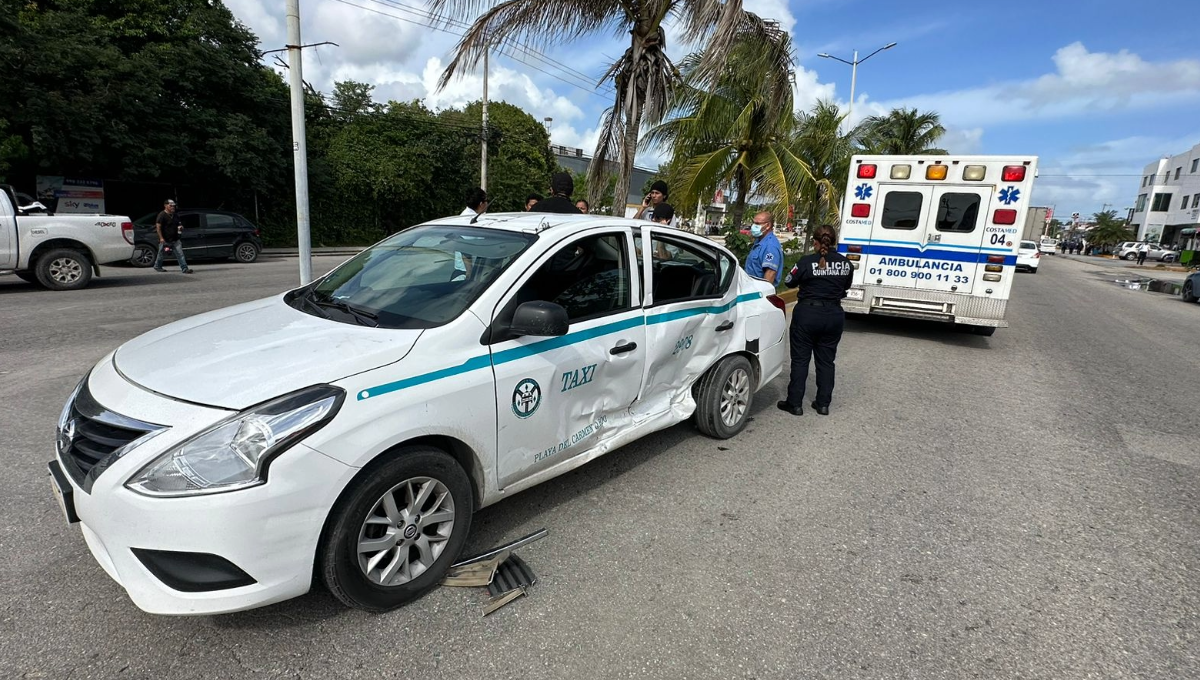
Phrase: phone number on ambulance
(918,276)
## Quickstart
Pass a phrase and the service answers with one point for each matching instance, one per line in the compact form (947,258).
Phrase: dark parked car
(207,234)
(1191,287)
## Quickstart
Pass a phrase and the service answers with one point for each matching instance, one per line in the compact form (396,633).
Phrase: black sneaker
(189,270)
(790,408)
(159,269)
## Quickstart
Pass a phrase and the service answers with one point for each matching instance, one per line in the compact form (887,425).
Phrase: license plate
(63,493)
(854,294)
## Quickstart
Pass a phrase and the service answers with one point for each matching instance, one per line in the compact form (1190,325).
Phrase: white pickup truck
(60,252)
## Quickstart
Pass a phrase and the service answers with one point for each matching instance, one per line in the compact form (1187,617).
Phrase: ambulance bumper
(931,305)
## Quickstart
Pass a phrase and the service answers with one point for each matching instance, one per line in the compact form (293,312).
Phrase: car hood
(243,355)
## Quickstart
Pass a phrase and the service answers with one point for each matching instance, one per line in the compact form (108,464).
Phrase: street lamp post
(854,70)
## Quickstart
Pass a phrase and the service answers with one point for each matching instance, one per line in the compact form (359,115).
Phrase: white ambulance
(935,237)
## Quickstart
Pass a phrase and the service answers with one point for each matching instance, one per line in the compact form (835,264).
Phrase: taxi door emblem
(526,398)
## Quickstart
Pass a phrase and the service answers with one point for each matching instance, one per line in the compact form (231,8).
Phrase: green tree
(903,132)
(1108,230)
(519,156)
(643,77)
(819,141)
(736,133)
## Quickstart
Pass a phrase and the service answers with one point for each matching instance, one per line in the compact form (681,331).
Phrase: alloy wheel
(65,270)
(406,531)
(246,252)
(735,397)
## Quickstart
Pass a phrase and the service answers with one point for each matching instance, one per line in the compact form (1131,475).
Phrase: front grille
(92,435)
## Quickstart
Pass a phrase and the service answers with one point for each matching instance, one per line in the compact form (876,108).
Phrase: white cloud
(962,140)
(1083,83)
(364,37)
(504,84)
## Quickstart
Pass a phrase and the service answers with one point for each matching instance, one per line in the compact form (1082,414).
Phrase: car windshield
(420,278)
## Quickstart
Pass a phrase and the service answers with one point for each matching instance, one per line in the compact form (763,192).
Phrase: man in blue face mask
(766,256)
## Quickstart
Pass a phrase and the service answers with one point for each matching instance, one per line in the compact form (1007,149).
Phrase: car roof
(537,223)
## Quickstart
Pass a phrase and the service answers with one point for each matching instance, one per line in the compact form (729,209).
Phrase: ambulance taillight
(866,171)
(860,210)
(1004,216)
(1013,173)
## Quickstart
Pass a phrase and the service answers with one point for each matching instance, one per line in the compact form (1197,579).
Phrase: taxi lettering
(578,377)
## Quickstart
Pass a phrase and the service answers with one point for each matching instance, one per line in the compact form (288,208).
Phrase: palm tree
(1108,230)
(903,132)
(643,77)
(735,133)
(818,140)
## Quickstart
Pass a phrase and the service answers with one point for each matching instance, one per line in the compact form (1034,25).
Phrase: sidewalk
(1151,270)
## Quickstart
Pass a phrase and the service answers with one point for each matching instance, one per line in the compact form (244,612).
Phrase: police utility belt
(820,303)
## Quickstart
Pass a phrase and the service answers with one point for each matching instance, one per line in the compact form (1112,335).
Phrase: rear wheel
(63,269)
(396,530)
(723,398)
(245,252)
(1189,295)
(1130,257)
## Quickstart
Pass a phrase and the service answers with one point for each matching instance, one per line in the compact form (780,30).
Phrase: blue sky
(1096,89)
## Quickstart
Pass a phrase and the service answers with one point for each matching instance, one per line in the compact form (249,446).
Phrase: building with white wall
(1167,209)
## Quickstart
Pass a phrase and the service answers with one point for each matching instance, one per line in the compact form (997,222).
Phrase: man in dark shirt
(532,200)
(561,188)
(817,321)
(170,235)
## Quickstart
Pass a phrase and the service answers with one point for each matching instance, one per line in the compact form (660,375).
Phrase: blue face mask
(756,229)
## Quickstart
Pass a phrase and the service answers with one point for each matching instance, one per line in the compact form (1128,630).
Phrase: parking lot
(1025,505)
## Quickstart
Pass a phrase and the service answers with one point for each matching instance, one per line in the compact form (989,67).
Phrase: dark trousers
(1141,258)
(816,332)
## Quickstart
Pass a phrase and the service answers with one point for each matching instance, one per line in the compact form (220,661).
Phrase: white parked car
(1160,253)
(1028,256)
(1048,246)
(347,430)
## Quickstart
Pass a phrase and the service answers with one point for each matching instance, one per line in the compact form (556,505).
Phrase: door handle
(725,326)
(622,349)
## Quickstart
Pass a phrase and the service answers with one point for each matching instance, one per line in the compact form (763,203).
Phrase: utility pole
(299,146)
(484,140)
(854,71)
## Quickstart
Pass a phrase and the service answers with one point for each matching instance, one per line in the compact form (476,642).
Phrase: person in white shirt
(477,203)
(1143,250)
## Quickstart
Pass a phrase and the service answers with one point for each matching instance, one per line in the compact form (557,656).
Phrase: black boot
(790,408)
(823,410)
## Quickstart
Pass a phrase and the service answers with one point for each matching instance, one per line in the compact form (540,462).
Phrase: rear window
(958,212)
(1029,244)
(901,210)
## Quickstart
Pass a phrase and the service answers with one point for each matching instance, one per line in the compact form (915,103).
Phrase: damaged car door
(566,392)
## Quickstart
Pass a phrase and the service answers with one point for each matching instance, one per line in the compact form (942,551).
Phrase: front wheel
(1130,257)
(1189,295)
(723,398)
(395,532)
(143,255)
(63,269)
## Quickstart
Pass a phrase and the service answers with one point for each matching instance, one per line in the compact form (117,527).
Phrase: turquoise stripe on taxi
(549,344)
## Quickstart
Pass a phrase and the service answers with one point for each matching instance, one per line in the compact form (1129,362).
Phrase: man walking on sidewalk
(170,235)
(1143,249)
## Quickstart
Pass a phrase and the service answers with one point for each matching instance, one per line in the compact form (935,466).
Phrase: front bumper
(269,532)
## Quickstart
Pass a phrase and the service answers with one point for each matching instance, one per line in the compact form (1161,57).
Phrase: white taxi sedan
(1028,256)
(348,429)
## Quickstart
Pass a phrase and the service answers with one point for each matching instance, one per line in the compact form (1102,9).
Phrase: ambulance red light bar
(996,259)
(1013,173)
(1004,216)
(864,210)
(866,171)
(854,249)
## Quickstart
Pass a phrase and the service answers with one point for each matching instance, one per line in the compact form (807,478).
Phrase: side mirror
(539,318)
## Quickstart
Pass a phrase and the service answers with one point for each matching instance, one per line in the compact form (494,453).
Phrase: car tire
(143,255)
(1130,257)
(1033,270)
(723,398)
(1189,295)
(985,331)
(245,252)
(403,569)
(63,269)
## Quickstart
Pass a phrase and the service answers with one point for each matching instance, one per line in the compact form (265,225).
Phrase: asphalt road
(1021,506)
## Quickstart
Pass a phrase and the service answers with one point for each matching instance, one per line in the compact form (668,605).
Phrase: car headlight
(234,453)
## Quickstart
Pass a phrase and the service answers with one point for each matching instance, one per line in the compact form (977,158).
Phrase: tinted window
(422,277)
(221,222)
(683,270)
(190,221)
(1028,244)
(589,278)
(901,210)
(957,212)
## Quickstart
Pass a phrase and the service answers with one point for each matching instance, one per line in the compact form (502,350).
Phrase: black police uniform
(817,323)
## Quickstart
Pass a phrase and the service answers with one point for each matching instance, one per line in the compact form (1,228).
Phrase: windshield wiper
(362,316)
(305,297)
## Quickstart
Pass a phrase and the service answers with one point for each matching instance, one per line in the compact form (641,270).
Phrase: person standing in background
(766,255)
(170,235)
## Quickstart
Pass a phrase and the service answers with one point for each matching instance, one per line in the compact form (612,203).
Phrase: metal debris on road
(474,574)
(499,601)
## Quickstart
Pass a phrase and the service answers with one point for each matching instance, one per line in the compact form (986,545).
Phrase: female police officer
(817,319)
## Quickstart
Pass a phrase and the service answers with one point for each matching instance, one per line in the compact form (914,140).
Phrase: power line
(502,50)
